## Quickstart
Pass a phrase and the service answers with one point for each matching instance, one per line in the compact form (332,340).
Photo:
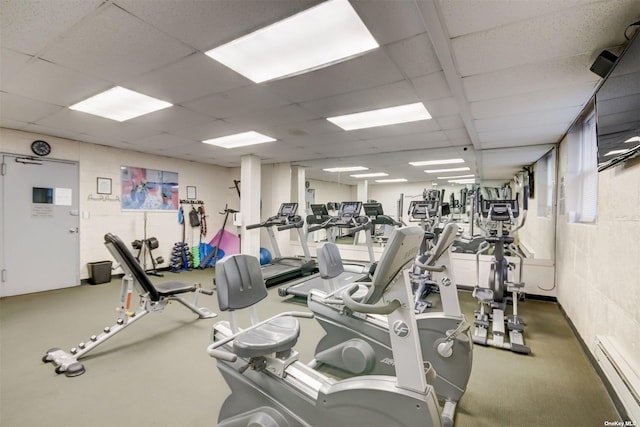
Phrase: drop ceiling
(503,80)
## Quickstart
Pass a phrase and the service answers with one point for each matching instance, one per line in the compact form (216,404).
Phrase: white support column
(363,191)
(250,176)
(281,181)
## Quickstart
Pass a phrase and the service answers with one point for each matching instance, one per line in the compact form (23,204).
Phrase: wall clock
(41,148)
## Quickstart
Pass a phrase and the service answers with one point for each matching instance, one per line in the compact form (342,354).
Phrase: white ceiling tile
(10,65)
(530,78)
(188,79)
(162,141)
(236,101)
(523,136)
(15,107)
(373,98)
(207,24)
(563,97)
(29,26)
(93,125)
(566,33)
(171,119)
(432,86)
(369,70)
(522,141)
(442,107)
(415,56)
(210,130)
(450,122)
(271,116)
(54,84)
(389,21)
(470,16)
(107,50)
(524,120)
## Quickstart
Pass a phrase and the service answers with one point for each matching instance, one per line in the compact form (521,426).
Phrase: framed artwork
(104,186)
(191,193)
(149,189)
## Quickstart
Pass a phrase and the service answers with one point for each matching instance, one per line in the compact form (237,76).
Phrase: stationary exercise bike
(270,387)
(490,321)
(359,344)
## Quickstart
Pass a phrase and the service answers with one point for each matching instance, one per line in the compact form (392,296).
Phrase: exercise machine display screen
(373,209)
(288,209)
(350,209)
(424,208)
(319,210)
(499,209)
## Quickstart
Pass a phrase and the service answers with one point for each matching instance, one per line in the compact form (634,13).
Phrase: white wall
(598,266)
(332,191)
(94,161)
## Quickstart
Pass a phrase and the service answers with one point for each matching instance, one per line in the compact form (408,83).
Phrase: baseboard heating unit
(622,377)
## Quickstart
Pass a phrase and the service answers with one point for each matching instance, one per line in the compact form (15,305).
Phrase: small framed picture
(191,192)
(104,185)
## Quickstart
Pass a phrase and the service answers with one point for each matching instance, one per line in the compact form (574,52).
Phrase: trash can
(99,272)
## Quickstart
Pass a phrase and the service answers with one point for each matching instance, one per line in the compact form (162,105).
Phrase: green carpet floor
(157,372)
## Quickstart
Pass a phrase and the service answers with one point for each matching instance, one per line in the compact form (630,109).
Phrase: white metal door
(40,244)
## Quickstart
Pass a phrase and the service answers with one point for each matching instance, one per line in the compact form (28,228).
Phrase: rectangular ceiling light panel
(369,175)
(437,162)
(383,117)
(388,181)
(447,170)
(239,140)
(317,37)
(120,104)
(457,176)
(346,169)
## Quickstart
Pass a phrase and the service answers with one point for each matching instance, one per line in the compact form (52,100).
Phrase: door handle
(73,230)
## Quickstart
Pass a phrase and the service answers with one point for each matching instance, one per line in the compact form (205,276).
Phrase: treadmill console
(423,209)
(287,210)
(373,210)
(349,210)
(498,210)
(319,210)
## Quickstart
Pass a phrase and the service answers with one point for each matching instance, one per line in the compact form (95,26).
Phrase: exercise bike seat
(277,335)
(240,285)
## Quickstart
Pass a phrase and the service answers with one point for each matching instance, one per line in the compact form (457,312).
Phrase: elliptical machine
(359,344)
(490,321)
(270,387)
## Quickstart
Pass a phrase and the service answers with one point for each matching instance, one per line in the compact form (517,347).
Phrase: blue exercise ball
(265,256)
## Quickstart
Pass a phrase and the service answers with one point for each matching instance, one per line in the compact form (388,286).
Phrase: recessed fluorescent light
(346,169)
(369,175)
(633,139)
(457,176)
(383,117)
(120,104)
(317,37)
(462,181)
(447,170)
(437,162)
(391,180)
(239,140)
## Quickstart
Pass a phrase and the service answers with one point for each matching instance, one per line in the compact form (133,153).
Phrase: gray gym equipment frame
(153,298)
(359,344)
(270,387)
(490,321)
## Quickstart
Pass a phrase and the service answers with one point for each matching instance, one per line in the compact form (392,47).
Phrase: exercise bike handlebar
(213,351)
(367,308)
(427,267)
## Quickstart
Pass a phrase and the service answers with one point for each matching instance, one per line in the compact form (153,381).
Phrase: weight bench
(153,298)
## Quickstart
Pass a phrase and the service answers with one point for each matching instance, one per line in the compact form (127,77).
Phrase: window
(582,171)
(545,177)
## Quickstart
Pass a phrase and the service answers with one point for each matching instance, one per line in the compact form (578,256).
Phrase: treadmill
(348,217)
(379,222)
(282,269)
